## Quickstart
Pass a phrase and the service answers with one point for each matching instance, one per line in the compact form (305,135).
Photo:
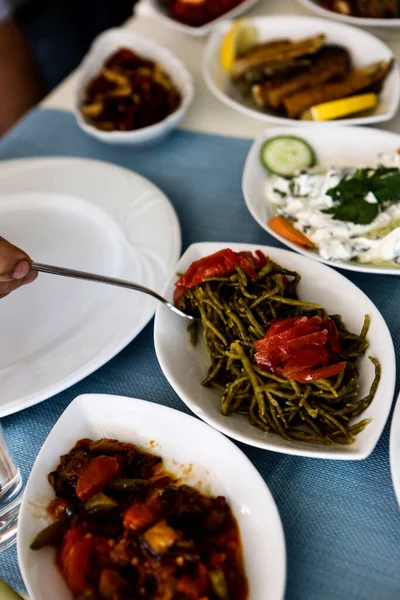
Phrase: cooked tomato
(219,264)
(95,475)
(74,559)
(300,348)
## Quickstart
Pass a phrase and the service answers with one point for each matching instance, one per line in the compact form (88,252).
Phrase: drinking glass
(11,488)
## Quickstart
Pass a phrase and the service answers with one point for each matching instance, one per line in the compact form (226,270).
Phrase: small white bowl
(101,49)
(363,47)
(153,7)
(315,7)
(394,449)
(355,147)
(217,467)
(186,366)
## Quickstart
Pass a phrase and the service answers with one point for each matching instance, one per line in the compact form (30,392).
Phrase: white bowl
(181,440)
(101,49)
(363,47)
(185,366)
(394,449)
(314,6)
(358,146)
(153,7)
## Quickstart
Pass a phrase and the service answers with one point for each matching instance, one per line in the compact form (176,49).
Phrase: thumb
(14,263)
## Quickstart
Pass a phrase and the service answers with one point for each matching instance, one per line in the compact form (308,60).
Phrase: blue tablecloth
(341,520)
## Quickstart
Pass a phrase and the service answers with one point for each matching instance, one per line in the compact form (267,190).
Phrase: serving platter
(189,449)
(364,49)
(185,366)
(342,146)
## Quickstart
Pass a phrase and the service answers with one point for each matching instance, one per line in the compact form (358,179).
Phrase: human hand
(15,268)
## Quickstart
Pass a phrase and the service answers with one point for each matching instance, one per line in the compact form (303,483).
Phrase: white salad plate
(155,8)
(364,49)
(102,49)
(197,454)
(315,7)
(186,366)
(333,146)
(86,215)
(394,449)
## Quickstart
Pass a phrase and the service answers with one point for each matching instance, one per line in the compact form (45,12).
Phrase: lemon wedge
(340,108)
(240,38)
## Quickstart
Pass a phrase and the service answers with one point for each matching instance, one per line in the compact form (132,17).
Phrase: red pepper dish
(198,12)
(130,92)
(284,363)
(125,529)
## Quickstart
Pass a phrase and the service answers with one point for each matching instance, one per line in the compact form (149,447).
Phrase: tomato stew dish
(200,12)
(126,529)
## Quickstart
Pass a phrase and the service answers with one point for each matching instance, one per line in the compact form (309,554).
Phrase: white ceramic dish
(357,146)
(364,49)
(315,7)
(394,449)
(181,440)
(153,7)
(101,49)
(185,367)
(86,215)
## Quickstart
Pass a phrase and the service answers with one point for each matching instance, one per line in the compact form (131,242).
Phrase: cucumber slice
(286,154)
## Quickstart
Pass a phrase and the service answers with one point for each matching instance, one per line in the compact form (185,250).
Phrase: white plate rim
(253,155)
(361,21)
(150,408)
(92,365)
(209,54)
(314,451)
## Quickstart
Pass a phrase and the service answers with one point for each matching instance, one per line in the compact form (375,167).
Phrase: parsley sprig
(350,194)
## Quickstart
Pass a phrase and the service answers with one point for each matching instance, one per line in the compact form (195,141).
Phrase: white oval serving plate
(90,216)
(181,441)
(358,146)
(315,7)
(153,7)
(102,48)
(363,47)
(186,366)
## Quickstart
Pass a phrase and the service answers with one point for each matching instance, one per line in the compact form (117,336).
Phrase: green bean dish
(282,362)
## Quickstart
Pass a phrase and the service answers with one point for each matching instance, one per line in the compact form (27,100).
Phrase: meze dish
(129,93)
(369,9)
(304,78)
(344,213)
(286,364)
(125,528)
(200,12)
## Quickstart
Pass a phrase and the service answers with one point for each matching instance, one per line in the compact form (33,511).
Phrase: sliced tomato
(333,334)
(75,559)
(318,338)
(319,373)
(219,264)
(306,359)
(95,475)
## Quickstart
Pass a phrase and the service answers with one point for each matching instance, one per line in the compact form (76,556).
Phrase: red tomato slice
(318,373)
(318,338)
(305,359)
(333,334)
(74,559)
(95,476)
(219,264)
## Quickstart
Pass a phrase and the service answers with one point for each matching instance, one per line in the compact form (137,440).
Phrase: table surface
(207,114)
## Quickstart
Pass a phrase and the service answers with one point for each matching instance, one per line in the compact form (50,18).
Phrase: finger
(30,278)
(10,259)
(9,286)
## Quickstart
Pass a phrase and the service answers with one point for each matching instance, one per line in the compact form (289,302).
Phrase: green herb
(350,194)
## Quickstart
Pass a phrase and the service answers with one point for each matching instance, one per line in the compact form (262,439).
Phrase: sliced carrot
(285,228)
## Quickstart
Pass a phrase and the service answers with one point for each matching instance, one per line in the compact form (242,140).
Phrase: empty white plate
(90,216)
(199,455)
(186,366)
(342,146)
(316,7)
(364,49)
